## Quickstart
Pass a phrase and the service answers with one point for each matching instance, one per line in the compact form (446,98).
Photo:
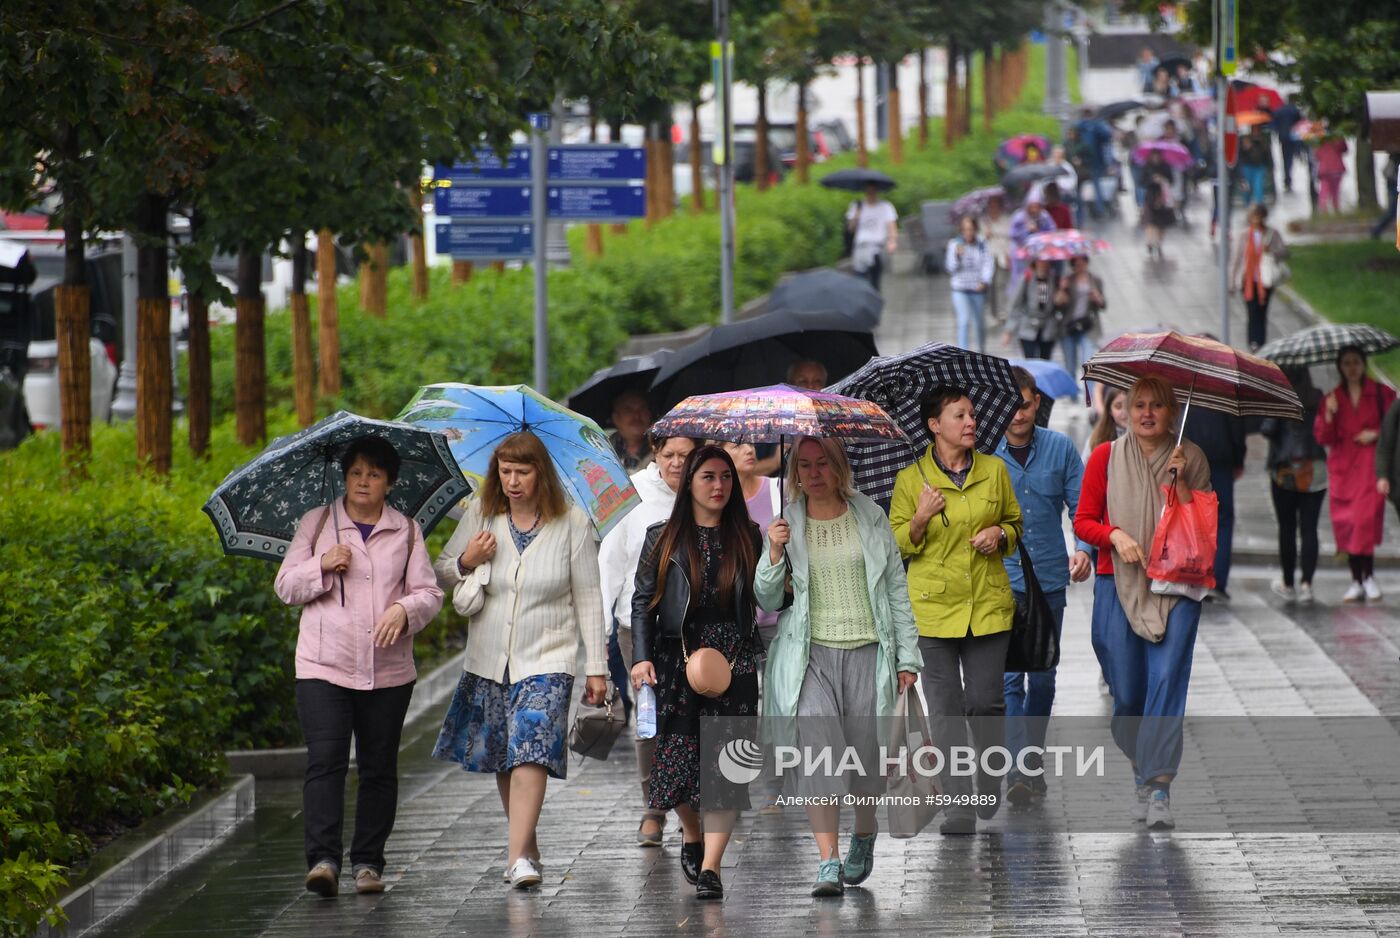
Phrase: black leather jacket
(669,616)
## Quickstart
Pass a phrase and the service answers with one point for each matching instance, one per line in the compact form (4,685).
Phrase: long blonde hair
(840,465)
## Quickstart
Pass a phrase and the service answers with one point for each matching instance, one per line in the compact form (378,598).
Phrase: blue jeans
(1258,179)
(1148,680)
(1223,482)
(1030,696)
(1076,349)
(968,307)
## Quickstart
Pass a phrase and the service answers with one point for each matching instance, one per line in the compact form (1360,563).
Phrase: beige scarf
(1135,502)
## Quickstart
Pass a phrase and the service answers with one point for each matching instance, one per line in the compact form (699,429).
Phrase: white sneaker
(524,874)
(1289,594)
(1354,593)
(1305,594)
(1372,589)
(1159,812)
(1138,808)
(539,868)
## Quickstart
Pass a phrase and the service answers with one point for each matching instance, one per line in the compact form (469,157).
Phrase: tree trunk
(462,271)
(923,99)
(989,88)
(760,147)
(499,267)
(418,248)
(697,162)
(950,96)
(594,244)
(374,279)
(303,361)
(72,328)
(328,314)
(804,137)
(967,94)
(894,125)
(653,196)
(862,154)
(153,378)
(668,174)
(250,364)
(197,407)
(1365,176)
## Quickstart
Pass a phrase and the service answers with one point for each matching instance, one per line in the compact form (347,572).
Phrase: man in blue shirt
(1046,472)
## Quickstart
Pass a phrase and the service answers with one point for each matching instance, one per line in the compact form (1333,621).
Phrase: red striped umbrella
(1211,373)
(1060,245)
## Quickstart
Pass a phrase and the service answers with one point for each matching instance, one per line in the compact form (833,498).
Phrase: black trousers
(1297,514)
(1257,330)
(1037,348)
(872,273)
(330,715)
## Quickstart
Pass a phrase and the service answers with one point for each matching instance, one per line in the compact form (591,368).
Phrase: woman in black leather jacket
(694,589)
(1298,484)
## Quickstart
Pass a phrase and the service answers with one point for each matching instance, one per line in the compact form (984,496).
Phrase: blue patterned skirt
(493,727)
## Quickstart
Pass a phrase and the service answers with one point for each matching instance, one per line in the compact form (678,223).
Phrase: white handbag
(1272,271)
(469,595)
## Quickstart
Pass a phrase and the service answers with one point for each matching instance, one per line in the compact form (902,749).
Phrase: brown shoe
(324,879)
(368,880)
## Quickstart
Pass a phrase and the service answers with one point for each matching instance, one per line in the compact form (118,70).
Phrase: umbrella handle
(335,518)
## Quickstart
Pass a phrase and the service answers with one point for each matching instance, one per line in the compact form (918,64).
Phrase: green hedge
(137,653)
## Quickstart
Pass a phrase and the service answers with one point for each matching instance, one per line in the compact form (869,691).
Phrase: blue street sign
(486,165)
(597,163)
(596,203)
(460,201)
(470,241)
(539,120)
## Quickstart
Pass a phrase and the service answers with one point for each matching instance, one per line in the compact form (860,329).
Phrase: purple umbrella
(974,203)
(1176,155)
(1060,245)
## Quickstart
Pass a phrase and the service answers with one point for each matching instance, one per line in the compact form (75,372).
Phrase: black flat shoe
(957,824)
(692,855)
(709,886)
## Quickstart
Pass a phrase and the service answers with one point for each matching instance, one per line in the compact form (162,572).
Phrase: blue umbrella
(476,418)
(1050,378)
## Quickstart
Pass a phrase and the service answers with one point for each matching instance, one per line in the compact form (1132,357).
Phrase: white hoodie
(621,550)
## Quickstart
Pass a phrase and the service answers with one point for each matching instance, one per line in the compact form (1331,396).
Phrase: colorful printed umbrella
(1308,130)
(1175,155)
(1212,374)
(1060,245)
(1251,118)
(974,203)
(1015,148)
(475,419)
(1322,344)
(899,382)
(780,411)
(257,507)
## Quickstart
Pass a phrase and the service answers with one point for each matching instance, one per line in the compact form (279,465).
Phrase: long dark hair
(679,538)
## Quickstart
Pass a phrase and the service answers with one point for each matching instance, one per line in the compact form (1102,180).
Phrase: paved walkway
(1254,658)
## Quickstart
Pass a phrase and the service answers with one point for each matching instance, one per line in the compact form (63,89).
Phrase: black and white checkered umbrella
(899,382)
(1322,344)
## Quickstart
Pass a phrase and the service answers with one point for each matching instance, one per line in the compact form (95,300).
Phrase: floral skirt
(494,727)
(679,767)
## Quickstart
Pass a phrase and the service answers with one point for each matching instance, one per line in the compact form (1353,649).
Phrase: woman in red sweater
(1143,641)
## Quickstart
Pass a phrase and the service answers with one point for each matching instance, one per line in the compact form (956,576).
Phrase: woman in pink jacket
(1331,167)
(360,572)
(1349,424)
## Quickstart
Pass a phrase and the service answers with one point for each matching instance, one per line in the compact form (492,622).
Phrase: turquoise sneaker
(829,879)
(860,858)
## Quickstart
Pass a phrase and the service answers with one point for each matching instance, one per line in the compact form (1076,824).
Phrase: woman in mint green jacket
(846,642)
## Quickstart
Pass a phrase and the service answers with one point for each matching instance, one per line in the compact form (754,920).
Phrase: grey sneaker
(1159,812)
(324,879)
(860,859)
(829,879)
(1305,594)
(1141,794)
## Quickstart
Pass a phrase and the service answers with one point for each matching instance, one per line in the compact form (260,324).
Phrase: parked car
(744,160)
(784,138)
(41,396)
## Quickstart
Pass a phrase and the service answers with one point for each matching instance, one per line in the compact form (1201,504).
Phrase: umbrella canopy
(1252,118)
(594,398)
(1308,130)
(1118,108)
(898,384)
(1031,172)
(781,411)
(475,419)
(1175,155)
(755,352)
(1252,97)
(1322,344)
(1052,379)
(1060,245)
(974,203)
(833,291)
(1201,105)
(1214,375)
(1172,62)
(856,179)
(1014,150)
(256,509)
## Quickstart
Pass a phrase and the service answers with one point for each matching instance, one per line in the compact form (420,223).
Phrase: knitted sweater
(841,613)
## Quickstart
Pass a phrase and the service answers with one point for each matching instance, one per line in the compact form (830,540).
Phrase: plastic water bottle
(646,712)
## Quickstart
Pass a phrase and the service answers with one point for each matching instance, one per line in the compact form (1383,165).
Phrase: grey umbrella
(594,398)
(821,291)
(1028,173)
(855,180)
(1322,344)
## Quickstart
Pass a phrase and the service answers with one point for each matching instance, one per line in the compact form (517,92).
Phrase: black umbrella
(1172,62)
(757,352)
(1028,173)
(1117,109)
(594,398)
(855,180)
(822,291)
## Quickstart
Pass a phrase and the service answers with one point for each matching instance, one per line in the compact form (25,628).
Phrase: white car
(41,384)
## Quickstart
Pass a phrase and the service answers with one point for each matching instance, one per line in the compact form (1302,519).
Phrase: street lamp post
(724,141)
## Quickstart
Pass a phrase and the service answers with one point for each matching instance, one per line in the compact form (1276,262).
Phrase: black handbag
(1034,645)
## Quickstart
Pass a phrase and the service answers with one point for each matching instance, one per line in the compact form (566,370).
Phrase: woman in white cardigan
(523,564)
